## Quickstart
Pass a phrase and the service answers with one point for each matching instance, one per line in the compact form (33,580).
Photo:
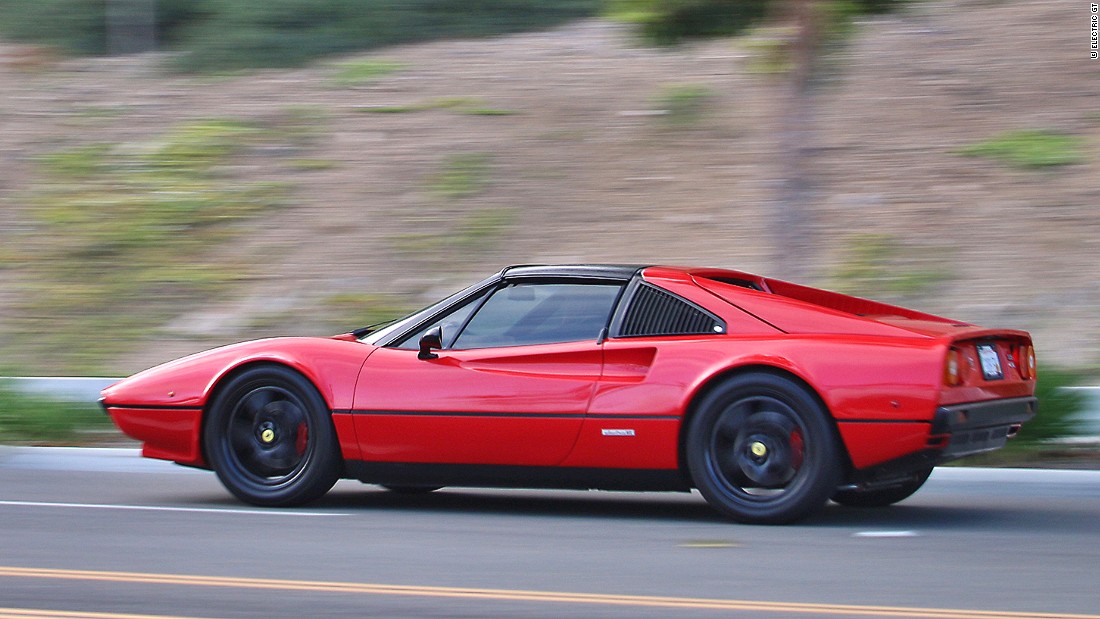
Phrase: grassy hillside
(144,215)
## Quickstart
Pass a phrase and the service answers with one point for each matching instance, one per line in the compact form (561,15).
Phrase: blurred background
(179,174)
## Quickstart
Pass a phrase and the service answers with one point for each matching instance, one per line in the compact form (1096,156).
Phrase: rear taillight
(951,371)
(1028,365)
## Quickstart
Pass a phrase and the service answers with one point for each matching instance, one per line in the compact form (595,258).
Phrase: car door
(510,386)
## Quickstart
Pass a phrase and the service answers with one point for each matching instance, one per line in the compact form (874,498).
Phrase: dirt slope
(565,139)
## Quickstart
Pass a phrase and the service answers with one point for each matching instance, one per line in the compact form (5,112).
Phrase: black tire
(270,438)
(411,489)
(881,497)
(762,450)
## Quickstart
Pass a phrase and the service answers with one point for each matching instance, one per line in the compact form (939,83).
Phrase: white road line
(156,508)
(886,534)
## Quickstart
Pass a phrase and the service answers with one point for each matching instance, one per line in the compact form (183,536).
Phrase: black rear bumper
(980,426)
(957,431)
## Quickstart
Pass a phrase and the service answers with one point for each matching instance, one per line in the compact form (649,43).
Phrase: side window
(532,313)
(654,312)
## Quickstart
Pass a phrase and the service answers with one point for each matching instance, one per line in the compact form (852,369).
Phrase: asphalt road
(103,534)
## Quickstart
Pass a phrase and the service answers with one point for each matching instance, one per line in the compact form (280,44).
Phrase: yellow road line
(527,596)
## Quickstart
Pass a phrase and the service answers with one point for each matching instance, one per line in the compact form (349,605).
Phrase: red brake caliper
(302,439)
(798,448)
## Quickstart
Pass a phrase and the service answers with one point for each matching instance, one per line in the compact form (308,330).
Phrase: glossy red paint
(627,442)
(974,387)
(349,439)
(522,405)
(879,442)
(182,388)
(165,433)
(614,402)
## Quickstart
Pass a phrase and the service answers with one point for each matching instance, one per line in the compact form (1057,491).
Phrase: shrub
(683,104)
(461,175)
(362,71)
(1029,148)
(1058,408)
(666,22)
(220,35)
(80,26)
(879,265)
(36,419)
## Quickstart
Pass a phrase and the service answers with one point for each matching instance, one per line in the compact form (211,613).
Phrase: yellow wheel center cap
(759,449)
(267,435)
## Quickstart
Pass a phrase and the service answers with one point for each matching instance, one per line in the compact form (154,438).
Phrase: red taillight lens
(1028,365)
(951,372)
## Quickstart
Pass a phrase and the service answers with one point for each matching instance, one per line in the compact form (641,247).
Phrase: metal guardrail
(86,389)
(77,389)
(1089,419)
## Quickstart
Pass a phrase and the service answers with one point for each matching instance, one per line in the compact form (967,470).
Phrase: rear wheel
(881,497)
(270,438)
(761,449)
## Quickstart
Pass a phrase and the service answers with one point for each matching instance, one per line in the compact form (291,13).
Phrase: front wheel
(270,438)
(762,450)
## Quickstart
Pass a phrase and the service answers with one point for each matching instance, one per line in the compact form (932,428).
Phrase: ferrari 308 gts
(769,397)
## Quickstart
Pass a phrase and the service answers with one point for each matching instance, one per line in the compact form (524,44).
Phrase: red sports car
(769,397)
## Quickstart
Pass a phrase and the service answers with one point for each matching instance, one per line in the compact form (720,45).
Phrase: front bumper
(166,432)
(980,426)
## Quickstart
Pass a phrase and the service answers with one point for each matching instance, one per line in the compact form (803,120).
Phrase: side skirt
(500,476)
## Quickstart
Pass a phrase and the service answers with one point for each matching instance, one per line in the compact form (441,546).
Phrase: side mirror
(433,339)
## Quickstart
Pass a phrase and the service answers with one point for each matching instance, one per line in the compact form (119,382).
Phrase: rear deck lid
(794,308)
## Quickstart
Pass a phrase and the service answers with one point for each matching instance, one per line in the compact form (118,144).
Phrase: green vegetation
(352,73)
(351,310)
(394,109)
(683,104)
(879,265)
(666,22)
(1029,148)
(312,165)
(482,226)
(1037,442)
(461,105)
(768,49)
(30,419)
(300,125)
(122,235)
(487,111)
(219,35)
(1058,408)
(461,176)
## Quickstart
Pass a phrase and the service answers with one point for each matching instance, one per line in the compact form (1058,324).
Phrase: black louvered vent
(655,312)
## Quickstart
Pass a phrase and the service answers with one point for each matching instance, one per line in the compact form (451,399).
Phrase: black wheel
(881,497)
(762,450)
(270,438)
(411,489)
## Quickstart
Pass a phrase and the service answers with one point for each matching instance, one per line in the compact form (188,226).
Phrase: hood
(330,363)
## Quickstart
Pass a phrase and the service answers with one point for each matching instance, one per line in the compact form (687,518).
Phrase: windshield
(395,328)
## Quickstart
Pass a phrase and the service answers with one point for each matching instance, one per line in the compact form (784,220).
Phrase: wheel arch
(221,382)
(756,368)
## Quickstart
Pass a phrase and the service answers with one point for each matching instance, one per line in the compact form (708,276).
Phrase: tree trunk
(131,26)
(793,222)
